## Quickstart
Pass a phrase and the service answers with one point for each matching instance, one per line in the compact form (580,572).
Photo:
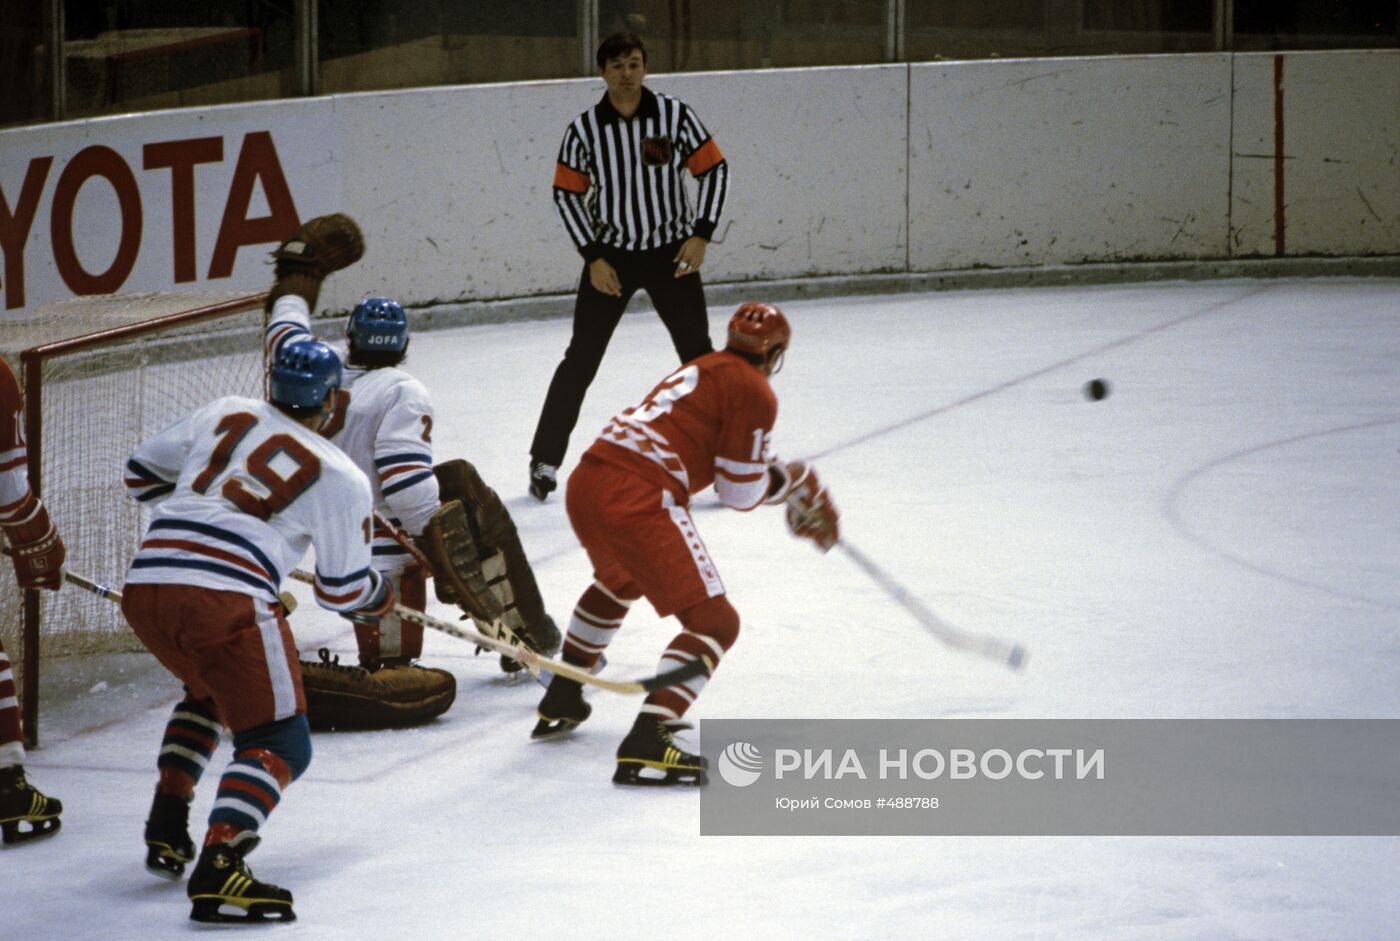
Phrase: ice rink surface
(1217,538)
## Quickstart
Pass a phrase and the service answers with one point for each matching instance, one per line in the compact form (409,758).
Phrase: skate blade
(548,729)
(11,833)
(223,911)
(649,774)
(165,861)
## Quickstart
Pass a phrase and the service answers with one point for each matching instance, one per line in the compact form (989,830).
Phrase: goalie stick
(536,661)
(1011,654)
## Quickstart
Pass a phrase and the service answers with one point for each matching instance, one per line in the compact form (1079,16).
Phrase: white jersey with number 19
(240,492)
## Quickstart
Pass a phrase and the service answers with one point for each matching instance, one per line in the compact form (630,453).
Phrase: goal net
(100,375)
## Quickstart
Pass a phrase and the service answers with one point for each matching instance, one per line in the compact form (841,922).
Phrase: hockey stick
(1011,654)
(87,584)
(289,601)
(529,658)
(97,588)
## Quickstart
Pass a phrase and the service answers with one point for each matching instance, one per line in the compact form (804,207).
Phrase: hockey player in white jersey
(240,489)
(384,422)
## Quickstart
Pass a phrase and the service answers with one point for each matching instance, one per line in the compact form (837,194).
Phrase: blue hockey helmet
(303,372)
(377,323)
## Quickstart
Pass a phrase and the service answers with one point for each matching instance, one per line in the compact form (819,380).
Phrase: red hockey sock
(710,629)
(10,730)
(595,621)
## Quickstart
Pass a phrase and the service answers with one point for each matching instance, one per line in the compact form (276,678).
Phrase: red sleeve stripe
(280,332)
(705,158)
(20,510)
(402,469)
(324,596)
(738,478)
(570,180)
(13,457)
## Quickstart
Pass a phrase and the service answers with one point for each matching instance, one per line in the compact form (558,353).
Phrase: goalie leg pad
(345,697)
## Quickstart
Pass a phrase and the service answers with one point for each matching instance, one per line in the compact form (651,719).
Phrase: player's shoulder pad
(229,404)
(407,389)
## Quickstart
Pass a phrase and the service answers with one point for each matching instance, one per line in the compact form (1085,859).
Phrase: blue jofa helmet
(303,372)
(378,323)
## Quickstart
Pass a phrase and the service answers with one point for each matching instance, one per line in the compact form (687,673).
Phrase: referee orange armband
(705,158)
(570,180)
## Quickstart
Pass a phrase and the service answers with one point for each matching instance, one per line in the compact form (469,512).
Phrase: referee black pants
(679,301)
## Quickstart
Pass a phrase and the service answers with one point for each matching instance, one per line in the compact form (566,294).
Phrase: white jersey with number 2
(384,421)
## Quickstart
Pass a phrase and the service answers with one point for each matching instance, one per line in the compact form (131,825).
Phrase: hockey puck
(1096,390)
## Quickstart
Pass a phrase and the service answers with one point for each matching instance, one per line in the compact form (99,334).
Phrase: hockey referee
(618,189)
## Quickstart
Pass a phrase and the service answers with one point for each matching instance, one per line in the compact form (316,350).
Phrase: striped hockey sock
(191,736)
(708,630)
(11,735)
(594,623)
(249,791)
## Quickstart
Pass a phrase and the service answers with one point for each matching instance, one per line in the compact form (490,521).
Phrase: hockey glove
(811,514)
(37,549)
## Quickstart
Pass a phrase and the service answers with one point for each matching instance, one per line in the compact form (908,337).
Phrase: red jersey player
(628,500)
(38,555)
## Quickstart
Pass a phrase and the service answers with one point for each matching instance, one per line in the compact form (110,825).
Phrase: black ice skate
(562,708)
(648,757)
(223,889)
(543,479)
(21,803)
(168,844)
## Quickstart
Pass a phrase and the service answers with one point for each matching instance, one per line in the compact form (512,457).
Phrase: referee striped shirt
(619,182)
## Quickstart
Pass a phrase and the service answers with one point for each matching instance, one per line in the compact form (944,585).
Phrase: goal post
(100,375)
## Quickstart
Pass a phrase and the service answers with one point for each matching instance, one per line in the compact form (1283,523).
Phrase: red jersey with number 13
(711,421)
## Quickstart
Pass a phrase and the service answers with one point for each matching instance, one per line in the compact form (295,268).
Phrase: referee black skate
(618,188)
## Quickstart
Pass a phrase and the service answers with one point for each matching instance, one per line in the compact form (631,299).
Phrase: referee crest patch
(657,151)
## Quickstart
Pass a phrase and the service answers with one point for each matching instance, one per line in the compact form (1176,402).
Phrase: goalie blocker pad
(353,698)
(458,578)
(505,568)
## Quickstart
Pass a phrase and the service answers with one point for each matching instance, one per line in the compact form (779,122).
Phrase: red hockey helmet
(757,329)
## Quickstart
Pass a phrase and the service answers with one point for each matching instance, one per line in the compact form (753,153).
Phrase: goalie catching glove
(318,247)
(811,514)
(37,549)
